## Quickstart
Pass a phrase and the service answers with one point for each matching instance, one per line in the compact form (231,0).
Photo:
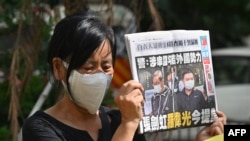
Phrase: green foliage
(4,133)
(8,13)
(4,101)
(4,104)
(31,94)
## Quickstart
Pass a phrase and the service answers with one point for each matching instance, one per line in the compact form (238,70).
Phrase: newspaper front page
(176,71)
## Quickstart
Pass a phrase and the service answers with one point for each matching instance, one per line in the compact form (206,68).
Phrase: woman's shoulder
(37,125)
(37,117)
(37,120)
(40,117)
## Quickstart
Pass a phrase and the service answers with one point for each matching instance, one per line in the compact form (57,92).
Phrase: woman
(81,55)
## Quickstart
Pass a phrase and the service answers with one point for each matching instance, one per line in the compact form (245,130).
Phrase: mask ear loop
(65,64)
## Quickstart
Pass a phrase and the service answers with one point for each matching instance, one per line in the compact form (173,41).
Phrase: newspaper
(176,71)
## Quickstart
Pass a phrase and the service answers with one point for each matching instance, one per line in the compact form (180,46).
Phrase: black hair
(172,67)
(77,36)
(185,71)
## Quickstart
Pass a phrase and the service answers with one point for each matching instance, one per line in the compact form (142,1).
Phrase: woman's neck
(69,113)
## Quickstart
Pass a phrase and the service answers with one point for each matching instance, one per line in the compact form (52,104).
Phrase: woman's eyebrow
(104,60)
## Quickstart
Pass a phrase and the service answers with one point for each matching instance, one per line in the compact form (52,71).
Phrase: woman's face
(99,61)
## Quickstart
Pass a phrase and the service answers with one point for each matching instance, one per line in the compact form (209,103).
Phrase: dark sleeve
(204,102)
(40,130)
(115,116)
(153,105)
(179,102)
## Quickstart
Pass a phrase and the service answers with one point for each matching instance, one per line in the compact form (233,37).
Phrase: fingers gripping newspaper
(176,71)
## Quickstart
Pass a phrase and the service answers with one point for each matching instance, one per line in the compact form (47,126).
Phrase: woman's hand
(129,100)
(216,128)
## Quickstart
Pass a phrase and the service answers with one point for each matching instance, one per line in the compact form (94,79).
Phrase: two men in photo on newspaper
(169,98)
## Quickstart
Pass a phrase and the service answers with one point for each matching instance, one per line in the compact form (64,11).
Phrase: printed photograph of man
(162,100)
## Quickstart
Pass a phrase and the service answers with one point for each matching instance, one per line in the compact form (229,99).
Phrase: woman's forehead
(104,50)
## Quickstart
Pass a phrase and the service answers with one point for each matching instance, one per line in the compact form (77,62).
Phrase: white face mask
(88,90)
(157,88)
(189,84)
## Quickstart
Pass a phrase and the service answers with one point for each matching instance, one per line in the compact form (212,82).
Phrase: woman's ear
(59,69)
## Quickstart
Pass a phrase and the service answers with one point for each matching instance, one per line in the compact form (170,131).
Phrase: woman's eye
(88,69)
(107,68)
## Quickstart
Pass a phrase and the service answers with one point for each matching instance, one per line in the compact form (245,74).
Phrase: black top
(43,127)
(163,103)
(194,101)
